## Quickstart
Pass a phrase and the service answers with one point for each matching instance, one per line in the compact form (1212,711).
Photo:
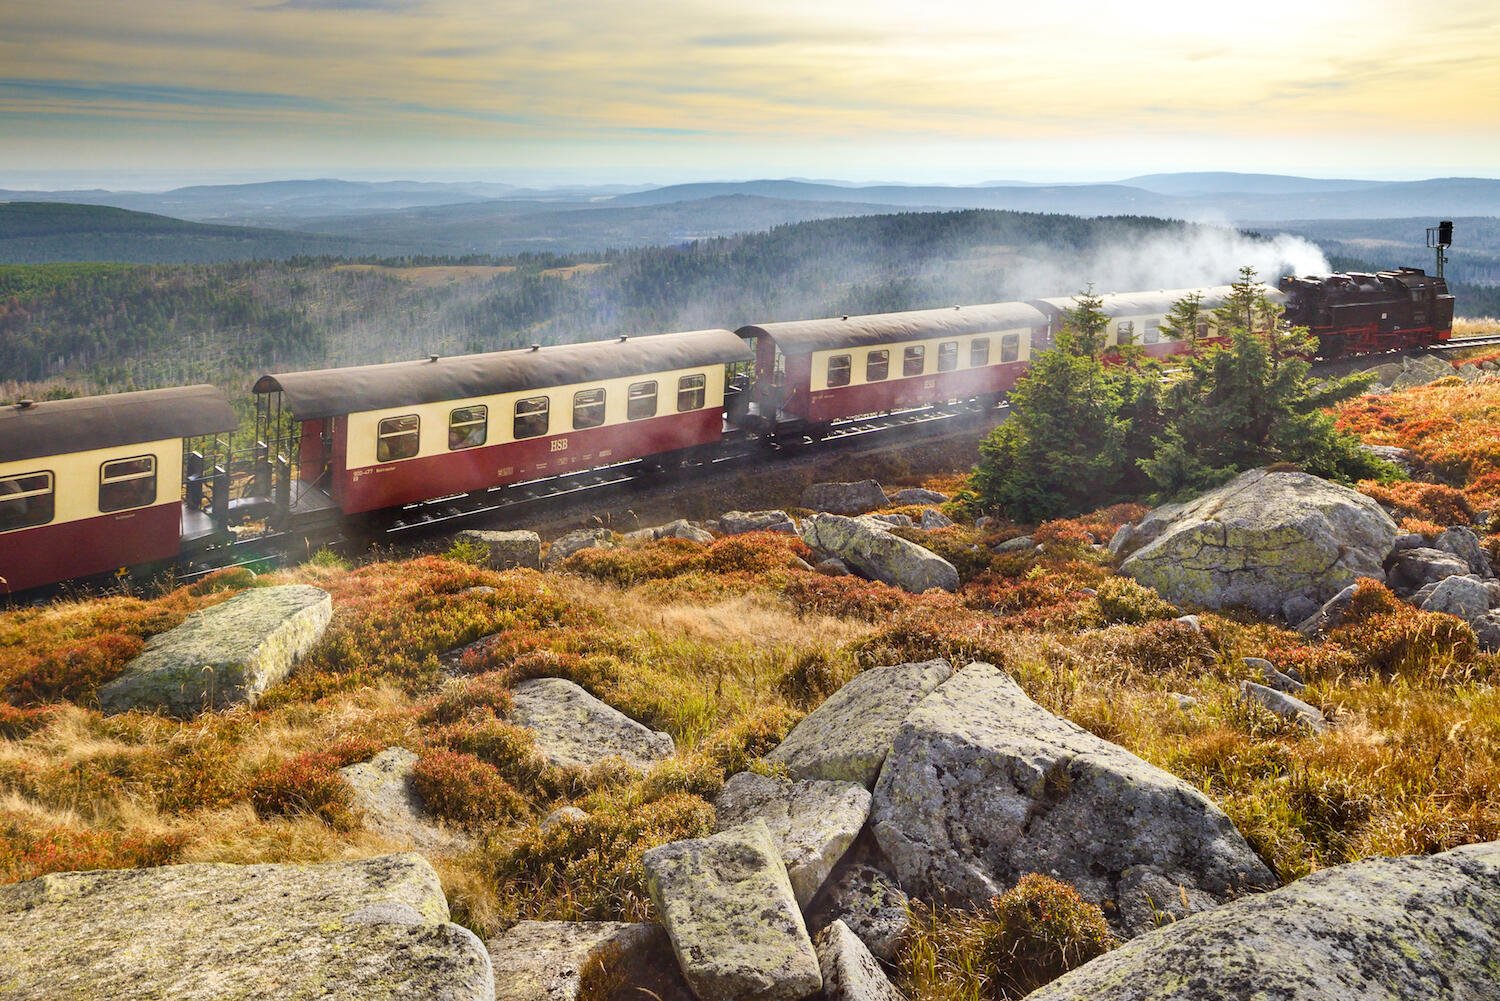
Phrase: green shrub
(1037,931)
(1121,599)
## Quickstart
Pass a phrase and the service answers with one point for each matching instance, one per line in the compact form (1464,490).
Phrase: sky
(150,93)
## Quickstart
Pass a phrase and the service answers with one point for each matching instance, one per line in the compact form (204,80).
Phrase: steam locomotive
(91,485)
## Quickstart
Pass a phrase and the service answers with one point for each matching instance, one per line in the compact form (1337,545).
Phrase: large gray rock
(342,931)
(575,729)
(507,550)
(917,495)
(1260,539)
(1465,597)
(584,538)
(1409,570)
(813,822)
(679,529)
(869,903)
(728,908)
(844,498)
(546,960)
(223,656)
(1462,542)
(391,807)
(740,522)
(984,786)
(933,519)
(850,973)
(874,553)
(1385,929)
(850,734)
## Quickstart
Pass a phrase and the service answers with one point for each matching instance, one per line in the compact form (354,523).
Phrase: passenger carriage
(380,436)
(94,484)
(809,373)
(1140,318)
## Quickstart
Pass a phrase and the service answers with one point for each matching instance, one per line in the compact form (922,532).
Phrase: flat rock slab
(507,550)
(740,522)
(1258,540)
(339,931)
(984,786)
(874,553)
(850,973)
(812,822)
(575,729)
(849,735)
(728,908)
(1385,929)
(223,656)
(391,807)
(844,498)
(1285,705)
(546,960)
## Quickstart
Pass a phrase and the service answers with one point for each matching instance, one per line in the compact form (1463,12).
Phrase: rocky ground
(859,744)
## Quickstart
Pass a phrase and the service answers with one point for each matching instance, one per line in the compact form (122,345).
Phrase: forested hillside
(106,328)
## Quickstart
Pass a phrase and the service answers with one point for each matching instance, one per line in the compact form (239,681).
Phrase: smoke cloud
(1201,256)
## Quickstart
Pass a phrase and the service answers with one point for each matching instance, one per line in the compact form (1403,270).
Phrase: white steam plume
(1200,256)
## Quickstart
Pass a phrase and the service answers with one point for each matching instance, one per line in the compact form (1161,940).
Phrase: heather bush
(466,791)
(1390,636)
(1120,599)
(305,784)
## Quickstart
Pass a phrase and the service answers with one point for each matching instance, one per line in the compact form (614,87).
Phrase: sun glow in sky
(602,90)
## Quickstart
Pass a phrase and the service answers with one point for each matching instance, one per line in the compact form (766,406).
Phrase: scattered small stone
(679,529)
(898,520)
(1191,621)
(1462,542)
(1020,544)
(845,498)
(917,495)
(1408,569)
(1286,706)
(1409,540)
(1330,615)
(879,555)
(983,521)
(1273,677)
(933,519)
(799,563)
(740,522)
(583,538)
(508,549)
(563,815)
(1298,608)
(1184,702)
(850,973)
(832,567)
(481,590)
(1465,597)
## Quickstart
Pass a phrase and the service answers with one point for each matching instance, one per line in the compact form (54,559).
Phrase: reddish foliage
(460,788)
(1391,636)
(16,722)
(308,783)
(73,671)
(1429,502)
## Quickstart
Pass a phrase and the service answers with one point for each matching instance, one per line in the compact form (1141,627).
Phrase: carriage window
(468,427)
(1010,348)
(690,393)
(948,356)
(1125,332)
(25,501)
(531,417)
(588,409)
(877,366)
(979,352)
(127,483)
(642,401)
(1152,335)
(398,438)
(838,371)
(914,360)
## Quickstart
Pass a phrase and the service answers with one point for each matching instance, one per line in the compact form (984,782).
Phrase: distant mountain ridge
(1200,195)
